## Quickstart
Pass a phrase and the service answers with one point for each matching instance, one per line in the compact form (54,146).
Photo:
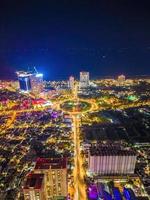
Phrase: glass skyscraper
(24,81)
(30,82)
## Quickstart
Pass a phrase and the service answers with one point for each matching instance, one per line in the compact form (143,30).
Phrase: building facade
(37,83)
(24,79)
(84,80)
(71,82)
(107,161)
(33,188)
(30,82)
(55,172)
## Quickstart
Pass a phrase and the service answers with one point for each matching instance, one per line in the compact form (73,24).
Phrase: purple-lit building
(92,192)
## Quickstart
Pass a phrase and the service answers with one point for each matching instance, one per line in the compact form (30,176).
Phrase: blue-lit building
(30,82)
(116,194)
(107,196)
(129,194)
(24,81)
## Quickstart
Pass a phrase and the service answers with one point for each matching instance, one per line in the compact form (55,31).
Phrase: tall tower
(30,82)
(84,80)
(37,83)
(24,81)
(71,82)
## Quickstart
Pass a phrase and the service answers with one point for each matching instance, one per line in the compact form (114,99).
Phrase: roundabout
(76,106)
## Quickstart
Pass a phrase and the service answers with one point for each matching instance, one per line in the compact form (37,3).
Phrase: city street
(79,173)
(80,188)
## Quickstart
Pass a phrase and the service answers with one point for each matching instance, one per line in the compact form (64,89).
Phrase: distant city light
(132,98)
(39,75)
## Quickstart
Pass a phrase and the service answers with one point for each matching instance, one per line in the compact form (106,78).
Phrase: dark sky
(63,37)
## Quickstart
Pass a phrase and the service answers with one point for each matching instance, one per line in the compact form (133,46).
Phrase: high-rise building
(37,83)
(33,188)
(84,80)
(121,79)
(71,82)
(111,160)
(55,171)
(24,81)
(30,82)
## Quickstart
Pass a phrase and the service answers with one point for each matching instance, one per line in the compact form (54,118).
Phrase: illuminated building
(33,188)
(71,82)
(129,194)
(84,80)
(116,194)
(121,79)
(55,171)
(93,193)
(107,160)
(37,83)
(24,81)
(30,82)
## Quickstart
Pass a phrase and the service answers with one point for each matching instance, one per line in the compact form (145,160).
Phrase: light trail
(80,187)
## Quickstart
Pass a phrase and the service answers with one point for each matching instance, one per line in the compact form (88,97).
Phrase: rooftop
(50,163)
(33,181)
(110,151)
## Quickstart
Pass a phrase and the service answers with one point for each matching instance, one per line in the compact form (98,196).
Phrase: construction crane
(35,70)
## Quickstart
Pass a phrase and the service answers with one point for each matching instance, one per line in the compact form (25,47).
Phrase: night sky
(63,37)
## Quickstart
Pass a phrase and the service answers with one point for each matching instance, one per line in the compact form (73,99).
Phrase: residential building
(33,188)
(55,171)
(111,160)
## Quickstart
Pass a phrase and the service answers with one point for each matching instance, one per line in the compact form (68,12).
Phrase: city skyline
(13,75)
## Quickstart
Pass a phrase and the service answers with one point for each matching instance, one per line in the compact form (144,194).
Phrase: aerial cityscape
(74,100)
(74,139)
